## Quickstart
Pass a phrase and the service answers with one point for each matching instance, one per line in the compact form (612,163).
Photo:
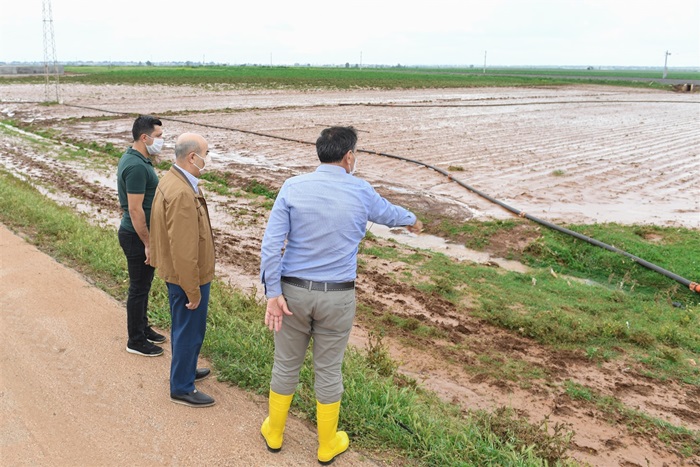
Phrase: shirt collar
(331,168)
(134,152)
(194,181)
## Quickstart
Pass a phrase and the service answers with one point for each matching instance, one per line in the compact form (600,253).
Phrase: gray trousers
(325,316)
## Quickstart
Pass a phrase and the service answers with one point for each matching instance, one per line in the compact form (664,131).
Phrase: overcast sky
(422,32)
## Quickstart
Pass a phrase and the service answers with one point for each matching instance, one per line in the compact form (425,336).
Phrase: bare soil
(566,155)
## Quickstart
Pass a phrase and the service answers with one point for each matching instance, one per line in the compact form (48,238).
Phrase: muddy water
(440,245)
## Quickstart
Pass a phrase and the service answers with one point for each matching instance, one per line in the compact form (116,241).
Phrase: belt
(320,286)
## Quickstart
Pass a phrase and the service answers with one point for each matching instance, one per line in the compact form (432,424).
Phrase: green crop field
(354,77)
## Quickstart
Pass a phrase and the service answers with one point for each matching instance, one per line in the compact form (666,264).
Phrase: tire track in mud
(61,181)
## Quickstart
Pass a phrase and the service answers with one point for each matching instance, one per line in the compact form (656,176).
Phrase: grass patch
(598,320)
(63,234)
(666,247)
(472,234)
(498,366)
(216,182)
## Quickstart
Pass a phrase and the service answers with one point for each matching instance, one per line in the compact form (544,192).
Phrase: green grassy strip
(601,320)
(341,78)
(377,412)
(669,247)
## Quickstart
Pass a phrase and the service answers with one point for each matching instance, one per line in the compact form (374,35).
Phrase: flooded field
(566,155)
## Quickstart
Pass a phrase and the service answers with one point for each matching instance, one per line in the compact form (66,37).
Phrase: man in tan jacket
(182,251)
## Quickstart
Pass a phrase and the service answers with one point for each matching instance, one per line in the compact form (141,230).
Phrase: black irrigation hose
(694,286)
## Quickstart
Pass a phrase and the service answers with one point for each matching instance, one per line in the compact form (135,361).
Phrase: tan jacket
(181,240)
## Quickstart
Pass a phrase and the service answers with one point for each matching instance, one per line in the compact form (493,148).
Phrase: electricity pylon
(50,65)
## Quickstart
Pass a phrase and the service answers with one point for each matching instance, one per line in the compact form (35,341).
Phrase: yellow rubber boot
(330,441)
(273,427)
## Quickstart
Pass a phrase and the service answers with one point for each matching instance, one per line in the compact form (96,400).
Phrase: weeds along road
(71,394)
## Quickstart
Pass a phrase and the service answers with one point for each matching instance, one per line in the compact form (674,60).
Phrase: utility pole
(49,50)
(360,59)
(484,61)
(666,64)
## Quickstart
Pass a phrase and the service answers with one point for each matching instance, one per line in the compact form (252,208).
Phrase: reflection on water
(439,245)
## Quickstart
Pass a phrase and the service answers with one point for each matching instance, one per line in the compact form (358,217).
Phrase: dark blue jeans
(186,336)
(140,279)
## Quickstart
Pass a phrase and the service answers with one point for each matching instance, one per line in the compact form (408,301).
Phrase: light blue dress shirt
(322,216)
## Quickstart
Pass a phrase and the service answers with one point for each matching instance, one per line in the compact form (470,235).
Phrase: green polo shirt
(136,176)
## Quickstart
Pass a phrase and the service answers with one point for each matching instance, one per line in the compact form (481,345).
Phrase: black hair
(144,124)
(335,142)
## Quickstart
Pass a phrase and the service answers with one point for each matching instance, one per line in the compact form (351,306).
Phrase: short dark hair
(144,124)
(335,142)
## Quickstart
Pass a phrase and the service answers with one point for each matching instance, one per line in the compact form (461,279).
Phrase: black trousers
(140,279)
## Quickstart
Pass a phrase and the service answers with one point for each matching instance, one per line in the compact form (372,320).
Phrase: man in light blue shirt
(308,267)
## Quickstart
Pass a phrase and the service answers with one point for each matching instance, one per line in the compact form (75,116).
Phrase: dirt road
(71,395)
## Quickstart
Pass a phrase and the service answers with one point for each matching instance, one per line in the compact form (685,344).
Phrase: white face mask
(156,147)
(354,165)
(206,159)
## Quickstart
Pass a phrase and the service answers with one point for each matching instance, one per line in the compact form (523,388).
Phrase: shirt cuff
(273,290)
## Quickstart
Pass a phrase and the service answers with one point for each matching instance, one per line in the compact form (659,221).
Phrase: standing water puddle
(440,245)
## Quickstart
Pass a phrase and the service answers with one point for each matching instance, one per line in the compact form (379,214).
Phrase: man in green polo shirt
(136,185)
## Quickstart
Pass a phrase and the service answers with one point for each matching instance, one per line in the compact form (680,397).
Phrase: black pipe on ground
(694,286)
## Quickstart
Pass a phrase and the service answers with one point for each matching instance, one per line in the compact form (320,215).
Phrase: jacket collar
(180,173)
